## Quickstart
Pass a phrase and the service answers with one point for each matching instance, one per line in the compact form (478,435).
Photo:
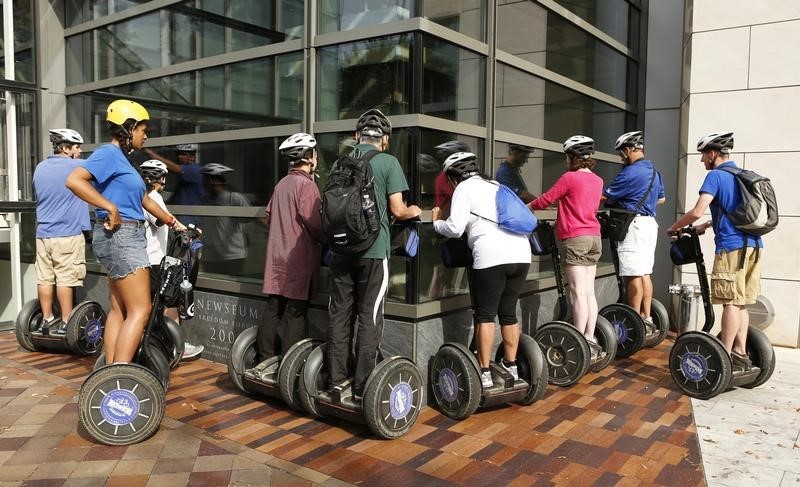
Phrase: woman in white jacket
(500,259)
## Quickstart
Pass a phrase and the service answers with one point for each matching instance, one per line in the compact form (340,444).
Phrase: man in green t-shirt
(360,281)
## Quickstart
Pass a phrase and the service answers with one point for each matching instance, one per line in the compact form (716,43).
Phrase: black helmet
(579,145)
(520,148)
(451,147)
(721,141)
(374,123)
(630,139)
(461,165)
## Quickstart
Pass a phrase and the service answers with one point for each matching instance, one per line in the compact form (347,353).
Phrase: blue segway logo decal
(400,400)
(622,331)
(694,366)
(94,331)
(448,384)
(119,407)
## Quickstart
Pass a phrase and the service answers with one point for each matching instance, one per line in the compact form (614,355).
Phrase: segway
(455,378)
(123,403)
(632,331)
(81,334)
(698,362)
(392,395)
(279,379)
(566,350)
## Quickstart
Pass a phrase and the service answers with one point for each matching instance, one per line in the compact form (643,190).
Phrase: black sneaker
(741,361)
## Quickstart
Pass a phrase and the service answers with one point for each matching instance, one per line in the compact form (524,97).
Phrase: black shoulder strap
(731,170)
(647,193)
(366,156)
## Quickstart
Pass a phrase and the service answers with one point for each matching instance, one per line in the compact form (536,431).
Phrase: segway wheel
(121,404)
(456,384)
(393,398)
(532,368)
(313,380)
(661,319)
(628,325)
(28,320)
(100,362)
(761,353)
(699,365)
(566,352)
(242,357)
(154,359)
(85,327)
(176,339)
(606,337)
(290,369)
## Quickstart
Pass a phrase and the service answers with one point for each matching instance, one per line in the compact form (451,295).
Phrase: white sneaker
(511,369)
(486,379)
(649,326)
(596,350)
(192,351)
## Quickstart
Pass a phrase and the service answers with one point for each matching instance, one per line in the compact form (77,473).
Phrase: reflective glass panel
(465,16)
(26,130)
(610,16)
(529,105)
(340,15)
(453,82)
(177,34)
(23,41)
(561,46)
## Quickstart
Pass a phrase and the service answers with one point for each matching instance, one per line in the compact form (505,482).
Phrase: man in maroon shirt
(293,249)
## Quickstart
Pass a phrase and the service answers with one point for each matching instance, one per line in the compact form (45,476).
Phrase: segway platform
(81,334)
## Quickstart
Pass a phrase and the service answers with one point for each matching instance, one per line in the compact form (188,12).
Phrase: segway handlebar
(686,249)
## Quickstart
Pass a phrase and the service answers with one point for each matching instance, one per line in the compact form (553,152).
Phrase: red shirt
(295,233)
(578,195)
(442,192)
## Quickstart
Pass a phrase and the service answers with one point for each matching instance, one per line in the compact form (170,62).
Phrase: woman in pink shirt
(578,194)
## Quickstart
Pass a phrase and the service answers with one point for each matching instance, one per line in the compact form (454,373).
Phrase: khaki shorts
(583,251)
(731,285)
(61,261)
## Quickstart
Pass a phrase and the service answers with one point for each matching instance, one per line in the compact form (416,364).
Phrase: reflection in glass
(524,102)
(452,82)
(341,15)
(25,119)
(375,73)
(464,16)
(610,16)
(435,280)
(177,34)
(23,41)
(559,45)
(256,93)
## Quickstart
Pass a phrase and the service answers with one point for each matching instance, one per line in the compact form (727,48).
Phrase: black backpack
(350,218)
(757,213)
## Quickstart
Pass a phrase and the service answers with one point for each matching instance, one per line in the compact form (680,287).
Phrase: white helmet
(187,147)
(214,169)
(630,139)
(65,136)
(721,141)
(579,145)
(153,170)
(461,165)
(294,148)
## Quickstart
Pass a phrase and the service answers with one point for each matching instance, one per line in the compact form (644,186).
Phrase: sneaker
(511,369)
(649,326)
(486,379)
(741,361)
(596,350)
(192,351)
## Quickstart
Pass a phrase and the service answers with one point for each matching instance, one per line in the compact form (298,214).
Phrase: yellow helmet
(121,110)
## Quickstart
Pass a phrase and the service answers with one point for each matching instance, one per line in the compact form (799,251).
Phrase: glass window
(453,82)
(524,103)
(465,16)
(255,93)
(23,41)
(79,11)
(25,119)
(341,15)
(561,46)
(177,34)
(355,77)
(610,16)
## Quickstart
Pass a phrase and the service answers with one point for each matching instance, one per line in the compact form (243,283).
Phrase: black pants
(495,292)
(279,307)
(357,298)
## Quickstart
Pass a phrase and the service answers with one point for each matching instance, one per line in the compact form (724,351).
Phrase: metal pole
(11,156)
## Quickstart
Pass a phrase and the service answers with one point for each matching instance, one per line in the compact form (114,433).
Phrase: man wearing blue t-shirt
(61,219)
(509,171)
(736,275)
(637,250)
(189,188)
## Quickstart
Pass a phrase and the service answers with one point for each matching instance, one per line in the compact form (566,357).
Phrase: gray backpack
(757,213)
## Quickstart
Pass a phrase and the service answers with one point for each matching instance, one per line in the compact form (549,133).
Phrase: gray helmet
(374,123)
(295,146)
(721,141)
(451,147)
(461,165)
(214,169)
(579,145)
(186,147)
(630,139)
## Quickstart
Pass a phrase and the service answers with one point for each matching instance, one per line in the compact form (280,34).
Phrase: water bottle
(370,212)
(186,308)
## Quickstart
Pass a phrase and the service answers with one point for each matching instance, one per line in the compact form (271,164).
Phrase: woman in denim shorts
(578,194)
(108,181)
